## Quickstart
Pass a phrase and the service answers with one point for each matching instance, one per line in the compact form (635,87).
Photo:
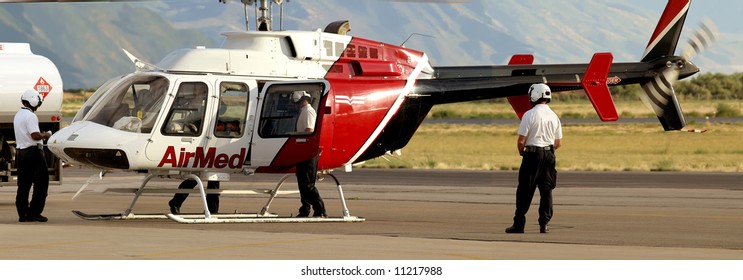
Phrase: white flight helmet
(298,95)
(539,91)
(32,98)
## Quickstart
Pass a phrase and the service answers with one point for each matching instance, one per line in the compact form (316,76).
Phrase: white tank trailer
(20,70)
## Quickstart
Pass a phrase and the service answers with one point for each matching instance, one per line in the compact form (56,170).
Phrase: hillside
(85,40)
(488,32)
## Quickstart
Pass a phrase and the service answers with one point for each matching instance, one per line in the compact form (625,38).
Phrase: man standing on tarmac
(29,161)
(306,171)
(540,134)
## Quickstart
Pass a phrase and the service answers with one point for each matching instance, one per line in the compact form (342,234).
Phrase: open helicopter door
(277,145)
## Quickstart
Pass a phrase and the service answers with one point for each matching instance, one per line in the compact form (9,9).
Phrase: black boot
(515,229)
(543,228)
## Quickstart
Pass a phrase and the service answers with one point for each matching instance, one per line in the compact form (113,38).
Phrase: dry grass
(73,101)
(605,147)
(578,109)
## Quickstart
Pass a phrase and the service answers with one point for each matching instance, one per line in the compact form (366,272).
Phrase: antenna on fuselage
(411,35)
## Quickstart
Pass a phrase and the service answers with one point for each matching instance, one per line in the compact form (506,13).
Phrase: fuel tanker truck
(20,70)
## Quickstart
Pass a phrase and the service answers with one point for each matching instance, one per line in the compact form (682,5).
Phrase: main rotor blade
(434,1)
(63,1)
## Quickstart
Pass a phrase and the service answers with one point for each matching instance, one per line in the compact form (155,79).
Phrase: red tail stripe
(673,9)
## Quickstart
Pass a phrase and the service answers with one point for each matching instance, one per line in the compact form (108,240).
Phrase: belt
(533,149)
(36,147)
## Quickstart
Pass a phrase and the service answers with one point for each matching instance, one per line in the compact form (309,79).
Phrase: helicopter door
(183,130)
(232,128)
(283,136)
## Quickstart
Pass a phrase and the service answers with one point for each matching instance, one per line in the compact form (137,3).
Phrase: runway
(410,215)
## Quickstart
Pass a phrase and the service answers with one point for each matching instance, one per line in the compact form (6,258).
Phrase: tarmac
(405,220)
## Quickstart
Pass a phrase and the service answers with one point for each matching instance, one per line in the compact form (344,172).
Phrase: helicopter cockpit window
(233,107)
(132,105)
(187,112)
(290,109)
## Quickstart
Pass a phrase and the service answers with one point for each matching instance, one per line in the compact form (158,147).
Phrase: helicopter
(208,113)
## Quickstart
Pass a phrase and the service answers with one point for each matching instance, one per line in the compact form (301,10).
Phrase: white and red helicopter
(206,113)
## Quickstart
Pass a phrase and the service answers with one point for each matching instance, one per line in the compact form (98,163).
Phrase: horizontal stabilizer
(594,84)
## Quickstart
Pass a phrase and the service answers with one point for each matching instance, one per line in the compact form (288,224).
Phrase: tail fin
(520,103)
(667,32)
(662,46)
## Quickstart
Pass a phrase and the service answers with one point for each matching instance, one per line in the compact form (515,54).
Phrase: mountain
(84,40)
(488,32)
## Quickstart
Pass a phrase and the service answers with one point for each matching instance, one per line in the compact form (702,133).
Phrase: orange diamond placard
(43,87)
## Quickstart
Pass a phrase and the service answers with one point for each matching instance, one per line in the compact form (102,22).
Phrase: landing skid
(207,218)
(155,216)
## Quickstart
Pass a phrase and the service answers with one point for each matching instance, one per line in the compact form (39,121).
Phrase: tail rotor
(661,98)
(706,34)
(659,93)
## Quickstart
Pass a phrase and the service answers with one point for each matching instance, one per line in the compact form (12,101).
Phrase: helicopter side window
(233,107)
(187,112)
(362,52)
(290,110)
(351,51)
(328,48)
(339,47)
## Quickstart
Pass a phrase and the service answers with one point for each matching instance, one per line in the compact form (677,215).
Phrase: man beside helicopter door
(306,171)
(192,97)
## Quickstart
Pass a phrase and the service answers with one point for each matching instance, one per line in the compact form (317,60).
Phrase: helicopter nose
(55,145)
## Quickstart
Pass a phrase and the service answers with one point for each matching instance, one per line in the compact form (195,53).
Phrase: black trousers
(306,172)
(32,170)
(537,171)
(212,199)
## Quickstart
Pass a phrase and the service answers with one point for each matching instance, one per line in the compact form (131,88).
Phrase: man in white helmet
(540,134)
(30,162)
(307,114)
(306,171)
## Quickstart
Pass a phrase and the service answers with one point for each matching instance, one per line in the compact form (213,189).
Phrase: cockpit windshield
(131,104)
(85,109)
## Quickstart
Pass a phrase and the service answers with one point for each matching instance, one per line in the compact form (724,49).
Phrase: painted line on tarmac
(687,217)
(219,248)
(468,257)
(653,215)
(45,245)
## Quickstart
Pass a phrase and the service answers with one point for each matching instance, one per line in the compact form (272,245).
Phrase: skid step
(216,219)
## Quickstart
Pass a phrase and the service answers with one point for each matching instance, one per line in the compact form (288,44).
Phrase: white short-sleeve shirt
(25,122)
(307,117)
(541,126)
